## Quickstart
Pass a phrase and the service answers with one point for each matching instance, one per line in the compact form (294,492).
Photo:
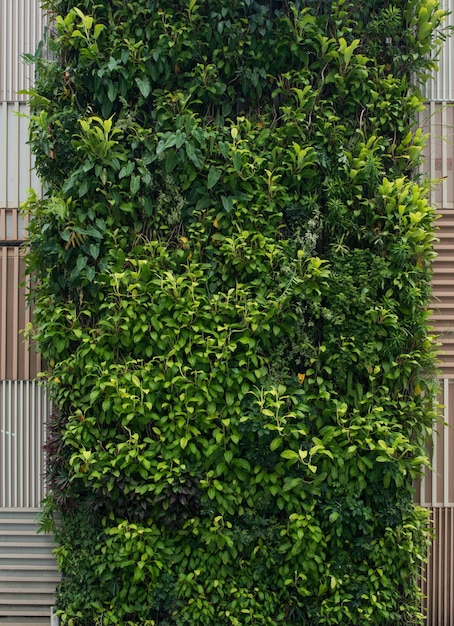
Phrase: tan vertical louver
(17,359)
(438,582)
(436,492)
(437,487)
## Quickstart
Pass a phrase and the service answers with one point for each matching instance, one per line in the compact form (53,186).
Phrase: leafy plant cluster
(232,268)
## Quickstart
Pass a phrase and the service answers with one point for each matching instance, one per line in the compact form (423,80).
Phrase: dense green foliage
(233,271)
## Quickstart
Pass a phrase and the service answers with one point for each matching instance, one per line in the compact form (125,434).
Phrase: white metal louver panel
(16,161)
(21,28)
(441,86)
(23,410)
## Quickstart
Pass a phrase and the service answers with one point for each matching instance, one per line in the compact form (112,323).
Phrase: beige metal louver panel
(436,492)
(438,574)
(18,360)
(16,161)
(437,120)
(443,291)
(21,28)
(437,487)
(12,226)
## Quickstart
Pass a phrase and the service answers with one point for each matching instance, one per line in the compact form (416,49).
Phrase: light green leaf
(290,454)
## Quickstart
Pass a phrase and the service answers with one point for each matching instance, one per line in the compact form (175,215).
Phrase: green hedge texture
(232,265)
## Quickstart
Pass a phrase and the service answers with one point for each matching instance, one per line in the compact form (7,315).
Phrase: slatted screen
(437,488)
(16,161)
(23,401)
(441,88)
(23,408)
(21,27)
(438,579)
(436,492)
(438,121)
(18,360)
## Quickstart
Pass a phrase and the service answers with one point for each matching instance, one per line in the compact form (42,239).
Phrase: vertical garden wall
(233,271)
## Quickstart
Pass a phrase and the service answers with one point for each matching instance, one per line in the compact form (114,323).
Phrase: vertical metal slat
(21,28)
(23,413)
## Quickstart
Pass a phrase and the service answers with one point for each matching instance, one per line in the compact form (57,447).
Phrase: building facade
(28,573)
(27,569)
(436,491)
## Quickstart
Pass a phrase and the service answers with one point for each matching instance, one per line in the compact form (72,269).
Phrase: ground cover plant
(232,269)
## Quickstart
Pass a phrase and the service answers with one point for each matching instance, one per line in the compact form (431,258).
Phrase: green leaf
(224,147)
(144,86)
(214,175)
(229,398)
(276,443)
(112,90)
(94,250)
(227,203)
(237,161)
(194,154)
(291,483)
(171,161)
(83,187)
(81,262)
(134,184)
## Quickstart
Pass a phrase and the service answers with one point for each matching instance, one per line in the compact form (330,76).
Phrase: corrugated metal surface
(438,121)
(23,411)
(437,488)
(438,577)
(441,87)
(17,359)
(21,28)
(16,161)
(436,492)
(28,570)
(12,226)
(443,291)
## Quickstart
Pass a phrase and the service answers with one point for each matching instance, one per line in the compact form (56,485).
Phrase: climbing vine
(232,264)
